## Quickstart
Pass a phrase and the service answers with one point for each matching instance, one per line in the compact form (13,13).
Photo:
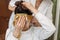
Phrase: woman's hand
(21,22)
(30,6)
(11,8)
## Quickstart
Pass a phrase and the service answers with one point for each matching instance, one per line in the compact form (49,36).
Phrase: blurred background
(5,15)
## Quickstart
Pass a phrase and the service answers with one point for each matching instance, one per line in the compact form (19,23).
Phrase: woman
(43,15)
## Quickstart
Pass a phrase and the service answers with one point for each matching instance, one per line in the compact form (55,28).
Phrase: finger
(22,22)
(17,23)
(19,20)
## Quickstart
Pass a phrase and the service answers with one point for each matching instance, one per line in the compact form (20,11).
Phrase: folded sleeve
(12,2)
(47,26)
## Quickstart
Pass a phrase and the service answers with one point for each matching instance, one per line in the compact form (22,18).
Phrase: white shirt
(44,17)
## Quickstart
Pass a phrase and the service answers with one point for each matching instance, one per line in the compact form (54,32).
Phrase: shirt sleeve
(9,35)
(47,26)
(49,12)
(12,2)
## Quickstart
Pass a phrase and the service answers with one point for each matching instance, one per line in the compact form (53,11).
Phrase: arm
(47,26)
(11,5)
